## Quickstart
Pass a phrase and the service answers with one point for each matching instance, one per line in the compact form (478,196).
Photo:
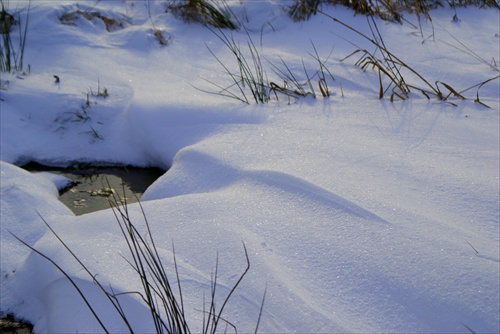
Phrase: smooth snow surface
(359,215)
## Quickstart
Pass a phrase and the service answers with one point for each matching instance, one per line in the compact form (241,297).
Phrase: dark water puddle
(10,325)
(93,185)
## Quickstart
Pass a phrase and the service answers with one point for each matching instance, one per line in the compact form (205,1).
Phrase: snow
(359,215)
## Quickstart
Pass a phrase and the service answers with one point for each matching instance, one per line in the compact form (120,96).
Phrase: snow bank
(359,215)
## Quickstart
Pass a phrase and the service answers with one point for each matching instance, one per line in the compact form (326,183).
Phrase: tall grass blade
(251,76)
(11,58)
(82,295)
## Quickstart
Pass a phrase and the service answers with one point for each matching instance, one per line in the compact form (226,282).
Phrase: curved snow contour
(303,236)
(203,173)
(329,264)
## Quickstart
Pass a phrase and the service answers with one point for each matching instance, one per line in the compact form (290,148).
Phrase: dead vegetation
(390,10)
(110,23)
(217,15)
(160,37)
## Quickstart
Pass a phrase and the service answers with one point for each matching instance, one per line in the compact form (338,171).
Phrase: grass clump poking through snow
(291,86)
(294,87)
(112,22)
(303,9)
(396,78)
(385,9)
(250,79)
(391,67)
(82,115)
(164,302)
(202,11)
(11,53)
(250,76)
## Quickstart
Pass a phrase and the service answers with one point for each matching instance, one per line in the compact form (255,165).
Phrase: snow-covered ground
(359,215)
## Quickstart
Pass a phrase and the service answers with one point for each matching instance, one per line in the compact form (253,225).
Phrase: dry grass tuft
(110,23)
(389,66)
(302,10)
(160,37)
(202,11)
(390,10)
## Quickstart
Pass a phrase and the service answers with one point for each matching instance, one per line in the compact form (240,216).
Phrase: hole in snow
(92,185)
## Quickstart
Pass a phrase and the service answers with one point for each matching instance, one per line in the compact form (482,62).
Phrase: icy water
(92,187)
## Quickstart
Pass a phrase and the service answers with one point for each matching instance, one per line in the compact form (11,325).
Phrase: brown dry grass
(390,10)
(111,24)
(202,11)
